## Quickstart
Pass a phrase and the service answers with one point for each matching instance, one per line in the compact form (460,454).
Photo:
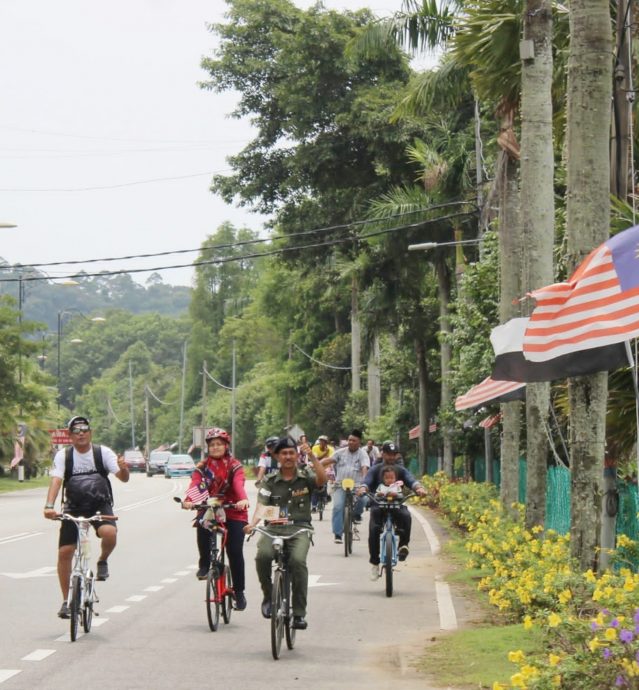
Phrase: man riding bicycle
(290,490)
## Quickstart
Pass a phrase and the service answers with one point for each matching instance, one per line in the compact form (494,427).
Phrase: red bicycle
(219,583)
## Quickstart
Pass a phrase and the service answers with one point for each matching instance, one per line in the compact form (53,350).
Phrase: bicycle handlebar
(204,506)
(395,501)
(75,518)
(265,532)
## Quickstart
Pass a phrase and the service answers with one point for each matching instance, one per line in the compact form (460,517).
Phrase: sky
(107,144)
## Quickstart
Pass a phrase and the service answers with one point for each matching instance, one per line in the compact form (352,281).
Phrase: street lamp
(61,315)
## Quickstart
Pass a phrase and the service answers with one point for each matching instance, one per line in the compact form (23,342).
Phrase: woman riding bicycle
(222,476)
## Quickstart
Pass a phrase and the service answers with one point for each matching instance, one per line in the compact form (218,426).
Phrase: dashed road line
(117,609)
(6,673)
(136,597)
(18,537)
(38,655)
(155,588)
(181,573)
(447,615)
(169,580)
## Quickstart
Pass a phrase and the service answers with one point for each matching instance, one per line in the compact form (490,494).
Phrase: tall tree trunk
(510,269)
(443,284)
(356,338)
(422,372)
(587,226)
(538,225)
(373,380)
(620,148)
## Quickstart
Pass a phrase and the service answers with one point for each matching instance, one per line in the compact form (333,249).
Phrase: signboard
(198,436)
(60,437)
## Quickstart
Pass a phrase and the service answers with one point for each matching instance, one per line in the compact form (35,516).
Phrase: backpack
(86,491)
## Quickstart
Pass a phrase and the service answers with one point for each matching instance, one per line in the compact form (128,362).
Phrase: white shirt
(83,462)
(349,465)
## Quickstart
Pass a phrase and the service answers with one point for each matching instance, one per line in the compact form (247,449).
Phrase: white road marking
(47,571)
(169,580)
(181,573)
(155,588)
(433,541)
(18,537)
(313,581)
(6,673)
(97,622)
(117,609)
(145,502)
(447,615)
(38,655)
(136,597)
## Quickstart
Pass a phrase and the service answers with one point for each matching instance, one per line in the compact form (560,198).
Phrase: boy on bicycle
(289,489)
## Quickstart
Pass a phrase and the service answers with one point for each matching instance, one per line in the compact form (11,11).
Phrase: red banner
(60,437)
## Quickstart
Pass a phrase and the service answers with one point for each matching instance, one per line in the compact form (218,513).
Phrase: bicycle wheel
(226,595)
(212,600)
(87,608)
(74,606)
(290,630)
(348,528)
(277,614)
(388,566)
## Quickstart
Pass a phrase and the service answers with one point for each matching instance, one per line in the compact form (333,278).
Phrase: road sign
(60,437)
(198,436)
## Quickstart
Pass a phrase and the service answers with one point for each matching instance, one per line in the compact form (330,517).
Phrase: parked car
(179,466)
(157,462)
(135,460)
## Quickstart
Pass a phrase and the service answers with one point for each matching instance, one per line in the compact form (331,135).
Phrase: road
(152,630)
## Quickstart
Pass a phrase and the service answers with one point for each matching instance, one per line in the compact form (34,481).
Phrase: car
(179,466)
(135,460)
(157,462)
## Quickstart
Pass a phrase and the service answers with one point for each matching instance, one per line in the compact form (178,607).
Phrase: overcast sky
(98,100)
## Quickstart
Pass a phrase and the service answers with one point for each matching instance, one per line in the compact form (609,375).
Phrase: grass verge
(11,484)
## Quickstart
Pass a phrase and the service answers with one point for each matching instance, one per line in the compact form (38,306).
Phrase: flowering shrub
(590,622)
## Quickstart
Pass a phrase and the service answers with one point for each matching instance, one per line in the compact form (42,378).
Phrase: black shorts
(69,531)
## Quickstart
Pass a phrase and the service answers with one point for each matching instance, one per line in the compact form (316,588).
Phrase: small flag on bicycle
(198,493)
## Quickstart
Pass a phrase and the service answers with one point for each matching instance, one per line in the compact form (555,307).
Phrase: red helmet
(214,432)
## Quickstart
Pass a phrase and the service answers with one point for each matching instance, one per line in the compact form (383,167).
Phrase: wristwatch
(49,506)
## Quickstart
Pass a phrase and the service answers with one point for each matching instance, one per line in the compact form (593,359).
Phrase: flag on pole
(490,391)
(18,446)
(511,364)
(598,306)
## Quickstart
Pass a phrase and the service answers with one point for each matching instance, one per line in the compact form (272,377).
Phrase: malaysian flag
(598,306)
(197,493)
(490,391)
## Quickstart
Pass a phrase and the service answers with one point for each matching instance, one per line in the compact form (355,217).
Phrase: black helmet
(271,441)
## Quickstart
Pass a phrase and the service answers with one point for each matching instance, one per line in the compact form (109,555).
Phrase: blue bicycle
(389,540)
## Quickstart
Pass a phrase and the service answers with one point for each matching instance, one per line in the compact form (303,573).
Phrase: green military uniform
(294,500)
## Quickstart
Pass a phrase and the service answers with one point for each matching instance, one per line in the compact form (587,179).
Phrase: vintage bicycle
(219,583)
(388,539)
(82,594)
(281,604)
(350,530)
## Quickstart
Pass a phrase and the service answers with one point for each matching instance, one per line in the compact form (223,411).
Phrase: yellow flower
(528,623)
(553,659)
(590,576)
(554,620)
(498,686)
(610,634)
(556,681)
(594,644)
(517,681)
(516,657)
(565,596)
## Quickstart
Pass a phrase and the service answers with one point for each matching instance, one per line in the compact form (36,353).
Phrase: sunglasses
(80,429)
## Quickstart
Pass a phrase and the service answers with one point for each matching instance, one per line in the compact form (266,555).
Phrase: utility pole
(146,414)
(182,396)
(131,405)
(204,374)
(233,405)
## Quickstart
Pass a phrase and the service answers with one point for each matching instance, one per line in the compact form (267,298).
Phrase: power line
(243,257)
(322,364)
(228,245)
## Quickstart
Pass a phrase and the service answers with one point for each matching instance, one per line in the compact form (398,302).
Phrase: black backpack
(86,491)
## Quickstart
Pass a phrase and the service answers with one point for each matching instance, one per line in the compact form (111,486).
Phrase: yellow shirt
(321,454)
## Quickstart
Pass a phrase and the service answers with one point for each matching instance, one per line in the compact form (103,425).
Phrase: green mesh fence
(627,515)
(558,499)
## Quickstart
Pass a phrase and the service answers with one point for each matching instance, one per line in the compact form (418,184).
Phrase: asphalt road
(152,632)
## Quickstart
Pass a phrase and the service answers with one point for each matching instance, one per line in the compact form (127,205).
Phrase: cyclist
(82,469)
(222,476)
(290,489)
(321,450)
(402,516)
(351,462)
(267,463)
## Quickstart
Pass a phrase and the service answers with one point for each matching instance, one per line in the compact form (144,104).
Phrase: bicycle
(281,606)
(388,539)
(219,583)
(82,595)
(350,531)
(322,500)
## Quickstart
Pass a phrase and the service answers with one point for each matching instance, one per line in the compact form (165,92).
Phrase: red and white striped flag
(198,493)
(598,306)
(489,390)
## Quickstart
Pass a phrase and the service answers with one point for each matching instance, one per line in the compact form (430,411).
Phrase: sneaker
(103,571)
(338,540)
(402,553)
(300,623)
(240,601)
(202,573)
(357,520)
(64,611)
(374,573)
(266,608)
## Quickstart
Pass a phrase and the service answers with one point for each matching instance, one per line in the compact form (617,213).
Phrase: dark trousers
(402,520)
(234,550)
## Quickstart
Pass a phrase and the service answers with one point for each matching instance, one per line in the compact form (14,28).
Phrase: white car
(157,462)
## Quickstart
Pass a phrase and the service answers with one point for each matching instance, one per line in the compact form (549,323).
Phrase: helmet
(214,432)
(389,447)
(271,441)
(78,420)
